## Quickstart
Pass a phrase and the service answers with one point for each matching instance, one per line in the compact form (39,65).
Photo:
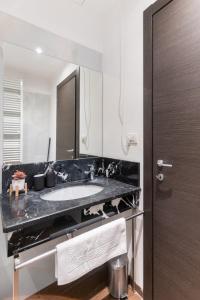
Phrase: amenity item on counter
(39,181)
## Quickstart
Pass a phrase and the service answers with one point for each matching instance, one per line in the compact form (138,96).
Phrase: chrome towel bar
(18,265)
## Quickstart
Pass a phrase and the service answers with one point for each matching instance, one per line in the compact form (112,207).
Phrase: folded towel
(80,255)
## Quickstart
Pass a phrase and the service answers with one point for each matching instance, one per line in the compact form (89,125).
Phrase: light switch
(84,139)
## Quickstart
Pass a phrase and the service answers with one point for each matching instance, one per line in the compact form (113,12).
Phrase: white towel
(80,255)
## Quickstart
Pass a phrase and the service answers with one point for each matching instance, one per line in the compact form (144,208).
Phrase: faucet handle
(91,166)
(111,169)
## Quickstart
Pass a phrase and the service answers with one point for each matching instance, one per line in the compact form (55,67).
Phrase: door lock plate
(160,177)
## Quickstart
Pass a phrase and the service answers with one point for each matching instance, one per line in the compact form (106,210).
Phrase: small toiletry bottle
(50,178)
(38,181)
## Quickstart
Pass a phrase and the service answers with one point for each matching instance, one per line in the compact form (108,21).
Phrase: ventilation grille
(12,121)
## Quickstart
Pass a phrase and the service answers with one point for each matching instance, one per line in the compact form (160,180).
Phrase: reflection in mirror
(91,112)
(67,133)
(52,109)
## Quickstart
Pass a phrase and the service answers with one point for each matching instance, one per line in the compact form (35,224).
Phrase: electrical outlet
(132,139)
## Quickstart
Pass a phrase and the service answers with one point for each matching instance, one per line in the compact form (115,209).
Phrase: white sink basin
(72,193)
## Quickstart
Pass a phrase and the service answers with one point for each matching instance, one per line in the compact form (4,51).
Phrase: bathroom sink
(72,193)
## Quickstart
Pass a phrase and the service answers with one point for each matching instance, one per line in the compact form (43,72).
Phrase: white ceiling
(27,62)
(84,23)
(98,7)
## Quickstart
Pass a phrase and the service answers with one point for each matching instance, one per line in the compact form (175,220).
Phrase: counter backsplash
(74,170)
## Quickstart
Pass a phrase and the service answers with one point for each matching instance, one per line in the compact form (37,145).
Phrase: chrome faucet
(91,172)
(110,170)
(102,169)
(113,169)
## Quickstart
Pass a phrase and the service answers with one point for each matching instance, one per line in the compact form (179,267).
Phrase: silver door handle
(70,150)
(161,164)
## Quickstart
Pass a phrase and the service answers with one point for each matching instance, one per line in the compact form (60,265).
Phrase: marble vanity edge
(19,243)
(54,215)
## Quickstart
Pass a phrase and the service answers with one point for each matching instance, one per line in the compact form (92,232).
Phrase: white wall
(91,112)
(36,119)
(124,35)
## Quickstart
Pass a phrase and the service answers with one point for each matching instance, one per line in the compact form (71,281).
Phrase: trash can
(118,277)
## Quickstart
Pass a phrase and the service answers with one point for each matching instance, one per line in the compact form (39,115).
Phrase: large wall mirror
(52,109)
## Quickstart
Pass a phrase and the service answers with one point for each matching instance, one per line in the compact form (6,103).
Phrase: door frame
(75,74)
(148,144)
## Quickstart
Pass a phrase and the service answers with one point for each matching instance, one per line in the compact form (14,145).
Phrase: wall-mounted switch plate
(132,139)
(84,140)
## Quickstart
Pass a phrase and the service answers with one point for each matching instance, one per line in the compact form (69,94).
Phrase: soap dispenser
(50,178)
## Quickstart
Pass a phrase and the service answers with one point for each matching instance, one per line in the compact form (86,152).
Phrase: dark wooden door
(66,119)
(176,140)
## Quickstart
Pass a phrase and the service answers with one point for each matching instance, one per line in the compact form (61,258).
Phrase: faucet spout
(91,172)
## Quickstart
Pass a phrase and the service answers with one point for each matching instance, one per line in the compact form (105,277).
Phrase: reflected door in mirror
(66,119)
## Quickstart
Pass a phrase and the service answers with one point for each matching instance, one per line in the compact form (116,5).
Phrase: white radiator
(12,121)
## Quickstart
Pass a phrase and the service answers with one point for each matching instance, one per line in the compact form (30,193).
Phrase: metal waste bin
(118,277)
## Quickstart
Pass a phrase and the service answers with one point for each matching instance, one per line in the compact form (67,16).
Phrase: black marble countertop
(30,209)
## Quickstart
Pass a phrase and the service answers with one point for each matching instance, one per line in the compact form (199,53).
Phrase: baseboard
(139,290)
(135,286)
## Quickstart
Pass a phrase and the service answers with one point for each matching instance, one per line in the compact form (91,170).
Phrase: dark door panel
(176,140)
(66,120)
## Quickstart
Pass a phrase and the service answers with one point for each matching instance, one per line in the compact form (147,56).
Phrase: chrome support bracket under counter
(18,265)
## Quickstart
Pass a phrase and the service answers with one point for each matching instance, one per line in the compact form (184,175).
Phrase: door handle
(161,164)
(70,150)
